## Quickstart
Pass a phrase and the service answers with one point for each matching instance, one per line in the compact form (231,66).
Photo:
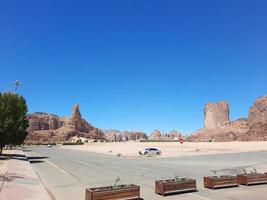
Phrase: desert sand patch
(171,149)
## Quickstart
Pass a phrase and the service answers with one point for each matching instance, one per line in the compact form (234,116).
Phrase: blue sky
(135,64)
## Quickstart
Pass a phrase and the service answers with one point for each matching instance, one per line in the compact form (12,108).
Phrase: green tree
(13,119)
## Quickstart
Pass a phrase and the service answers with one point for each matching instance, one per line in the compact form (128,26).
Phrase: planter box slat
(170,186)
(248,179)
(181,186)
(117,192)
(219,182)
(114,195)
(106,193)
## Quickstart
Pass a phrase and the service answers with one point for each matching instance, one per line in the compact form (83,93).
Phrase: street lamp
(16,83)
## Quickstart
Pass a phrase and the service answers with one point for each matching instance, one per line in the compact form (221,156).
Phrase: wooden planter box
(171,186)
(248,179)
(214,182)
(109,193)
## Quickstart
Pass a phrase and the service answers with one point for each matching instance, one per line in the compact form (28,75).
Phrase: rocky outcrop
(258,111)
(43,121)
(118,136)
(216,115)
(252,128)
(76,115)
(257,120)
(157,135)
(133,135)
(256,132)
(44,127)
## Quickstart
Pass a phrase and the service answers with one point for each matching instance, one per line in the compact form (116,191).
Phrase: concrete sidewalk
(20,182)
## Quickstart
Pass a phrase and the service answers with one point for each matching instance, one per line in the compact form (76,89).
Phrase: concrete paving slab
(21,182)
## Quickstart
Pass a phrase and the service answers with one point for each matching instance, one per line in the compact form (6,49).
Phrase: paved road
(68,172)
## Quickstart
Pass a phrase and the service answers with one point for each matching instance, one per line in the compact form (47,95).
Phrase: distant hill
(116,135)
(44,127)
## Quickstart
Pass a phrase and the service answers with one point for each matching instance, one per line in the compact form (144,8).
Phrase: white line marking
(199,197)
(80,162)
(53,164)
(57,167)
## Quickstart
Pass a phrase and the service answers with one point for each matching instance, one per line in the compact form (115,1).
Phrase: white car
(49,145)
(150,151)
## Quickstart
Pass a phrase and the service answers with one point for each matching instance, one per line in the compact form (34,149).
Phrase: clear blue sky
(135,64)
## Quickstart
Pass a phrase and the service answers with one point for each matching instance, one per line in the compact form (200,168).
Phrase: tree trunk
(1,150)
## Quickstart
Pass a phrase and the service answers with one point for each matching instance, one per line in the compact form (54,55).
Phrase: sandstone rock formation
(252,128)
(43,121)
(157,135)
(76,115)
(44,127)
(258,112)
(257,120)
(216,115)
(117,136)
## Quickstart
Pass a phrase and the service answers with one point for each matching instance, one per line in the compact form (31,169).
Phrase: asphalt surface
(67,173)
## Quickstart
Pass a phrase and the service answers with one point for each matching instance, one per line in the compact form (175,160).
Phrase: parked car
(150,151)
(49,145)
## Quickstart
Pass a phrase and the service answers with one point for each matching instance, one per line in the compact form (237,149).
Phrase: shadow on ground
(13,156)
(10,177)
(180,192)
(27,150)
(36,161)
(37,157)
(22,157)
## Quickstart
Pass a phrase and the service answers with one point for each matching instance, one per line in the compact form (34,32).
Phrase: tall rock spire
(216,115)
(76,115)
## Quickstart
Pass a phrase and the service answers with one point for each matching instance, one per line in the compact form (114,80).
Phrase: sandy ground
(171,149)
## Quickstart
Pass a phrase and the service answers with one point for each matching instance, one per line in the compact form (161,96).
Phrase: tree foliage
(13,119)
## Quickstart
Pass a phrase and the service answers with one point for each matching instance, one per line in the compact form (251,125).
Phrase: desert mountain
(218,127)
(116,135)
(157,135)
(44,127)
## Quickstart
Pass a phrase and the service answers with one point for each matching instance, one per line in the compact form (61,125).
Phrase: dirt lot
(171,149)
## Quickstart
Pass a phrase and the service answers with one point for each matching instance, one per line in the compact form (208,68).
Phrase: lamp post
(16,83)
(181,142)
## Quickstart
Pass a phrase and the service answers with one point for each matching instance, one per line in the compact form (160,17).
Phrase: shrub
(72,143)
(118,154)
(159,140)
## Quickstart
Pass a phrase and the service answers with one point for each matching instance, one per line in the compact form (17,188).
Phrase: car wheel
(158,153)
(146,153)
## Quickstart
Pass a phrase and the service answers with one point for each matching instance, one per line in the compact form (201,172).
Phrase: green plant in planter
(116,184)
(176,178)
(214,172)
(118,154)
(254,171)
